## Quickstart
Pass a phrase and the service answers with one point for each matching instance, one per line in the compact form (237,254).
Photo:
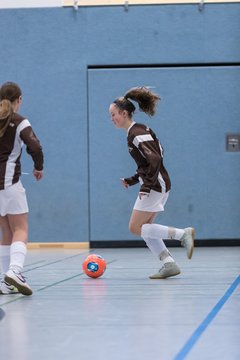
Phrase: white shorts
(153,203)
(13,200)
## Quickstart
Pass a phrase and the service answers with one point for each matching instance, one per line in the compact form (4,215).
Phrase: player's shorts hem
(155,202)
(13,200)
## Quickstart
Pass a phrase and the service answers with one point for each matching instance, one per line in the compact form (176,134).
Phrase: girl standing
(154,180)
(15,130)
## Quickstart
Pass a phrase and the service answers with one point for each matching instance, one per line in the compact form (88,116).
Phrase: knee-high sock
(18,253)
(156,231)
(4,259)
(157,247)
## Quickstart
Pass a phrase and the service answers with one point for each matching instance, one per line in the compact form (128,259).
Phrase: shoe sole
(164,277)
(192,248)
(22,289)
(10,293)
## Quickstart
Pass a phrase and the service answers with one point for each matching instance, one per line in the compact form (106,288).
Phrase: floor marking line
(208,319)
(69,278)
(59,282)
(36,262)
(21,297)
(56,261)
(18,297)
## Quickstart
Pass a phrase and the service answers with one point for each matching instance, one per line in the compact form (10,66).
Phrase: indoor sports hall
(72,59)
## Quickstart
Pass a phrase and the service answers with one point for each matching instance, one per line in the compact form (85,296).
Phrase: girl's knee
(135,228)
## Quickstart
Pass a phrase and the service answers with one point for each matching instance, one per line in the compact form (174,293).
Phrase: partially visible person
(15,131)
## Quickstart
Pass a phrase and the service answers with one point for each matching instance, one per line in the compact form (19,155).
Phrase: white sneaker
(187,241)
(7,289)
(168,269)
(18,280)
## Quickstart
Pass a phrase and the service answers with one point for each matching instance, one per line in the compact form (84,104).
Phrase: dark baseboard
(169,243)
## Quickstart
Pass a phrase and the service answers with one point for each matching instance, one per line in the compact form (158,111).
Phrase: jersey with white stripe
(147,152)
(18,133)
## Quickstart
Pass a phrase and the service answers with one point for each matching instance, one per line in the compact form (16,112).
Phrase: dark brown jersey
(18,132)
(147,152)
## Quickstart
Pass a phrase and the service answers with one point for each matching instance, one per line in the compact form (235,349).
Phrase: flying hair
(147,100)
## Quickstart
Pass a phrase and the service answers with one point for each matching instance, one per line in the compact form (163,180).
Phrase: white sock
(156,246)
(156,231)
(18,253)
(166,257)
(4,259)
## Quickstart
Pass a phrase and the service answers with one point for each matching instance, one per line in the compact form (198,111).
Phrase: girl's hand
(125,184)
(38,174)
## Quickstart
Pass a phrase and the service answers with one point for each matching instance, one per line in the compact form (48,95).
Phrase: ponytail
(146,99)
(6,112)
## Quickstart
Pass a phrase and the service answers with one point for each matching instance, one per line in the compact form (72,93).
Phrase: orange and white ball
(94,265)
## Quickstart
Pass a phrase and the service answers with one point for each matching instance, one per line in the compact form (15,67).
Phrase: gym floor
(124,315)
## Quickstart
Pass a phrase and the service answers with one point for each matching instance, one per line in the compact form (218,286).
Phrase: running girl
(153,177)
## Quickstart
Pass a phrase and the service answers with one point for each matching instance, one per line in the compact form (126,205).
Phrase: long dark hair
(9,92)
(147,100)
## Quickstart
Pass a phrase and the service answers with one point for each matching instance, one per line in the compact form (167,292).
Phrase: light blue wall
(194,116)
(48,51)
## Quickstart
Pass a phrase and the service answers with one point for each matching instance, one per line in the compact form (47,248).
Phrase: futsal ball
(94,266)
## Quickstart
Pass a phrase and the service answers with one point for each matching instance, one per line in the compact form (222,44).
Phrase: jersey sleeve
(132,180)
(150,150)
(33,146)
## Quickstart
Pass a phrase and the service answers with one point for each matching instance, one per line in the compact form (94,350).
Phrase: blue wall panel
(47,51)
(169,34)
(43,54)
(199,106)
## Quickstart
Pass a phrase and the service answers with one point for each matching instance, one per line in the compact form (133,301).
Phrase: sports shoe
(7,289)
(168,269)
(187,241)
(17,280)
